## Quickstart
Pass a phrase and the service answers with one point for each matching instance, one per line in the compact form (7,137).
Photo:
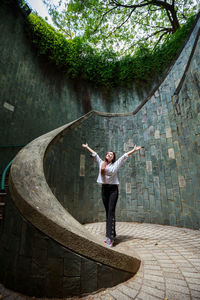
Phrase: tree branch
(158,41)
(153,10)
(169,17)
(150,26)
(183,15)
(159,3)
(163,4)
(126,19)
(116,28)
(158,31)
(101,20)
(131,6)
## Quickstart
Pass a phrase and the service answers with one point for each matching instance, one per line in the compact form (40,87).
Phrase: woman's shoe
(109,242)
(106,240)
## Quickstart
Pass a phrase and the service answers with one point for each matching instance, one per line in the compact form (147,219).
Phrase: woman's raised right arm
(88,148)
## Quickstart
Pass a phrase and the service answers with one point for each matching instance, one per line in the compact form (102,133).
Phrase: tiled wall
(161,183)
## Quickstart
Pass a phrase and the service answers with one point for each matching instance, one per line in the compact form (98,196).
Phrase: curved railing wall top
(38,205)
(51,249)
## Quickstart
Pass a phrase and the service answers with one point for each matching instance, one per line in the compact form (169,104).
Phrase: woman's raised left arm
(88,148)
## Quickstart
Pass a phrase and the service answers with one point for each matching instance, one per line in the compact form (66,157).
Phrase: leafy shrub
(78,60)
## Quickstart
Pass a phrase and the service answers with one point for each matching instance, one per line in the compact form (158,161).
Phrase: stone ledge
(37,204)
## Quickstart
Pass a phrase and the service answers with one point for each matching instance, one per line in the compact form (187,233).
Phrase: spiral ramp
(46,252)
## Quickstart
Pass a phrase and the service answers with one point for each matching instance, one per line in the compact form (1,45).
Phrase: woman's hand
(88,148)
(85,145)
(136,148)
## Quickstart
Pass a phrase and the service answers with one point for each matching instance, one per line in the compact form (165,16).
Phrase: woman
(108,179)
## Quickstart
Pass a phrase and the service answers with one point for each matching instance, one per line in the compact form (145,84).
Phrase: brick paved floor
(170,266)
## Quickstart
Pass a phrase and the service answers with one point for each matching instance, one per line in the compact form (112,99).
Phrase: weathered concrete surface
(36,265)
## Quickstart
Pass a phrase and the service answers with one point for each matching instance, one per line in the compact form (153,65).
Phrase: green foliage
(118,25)
(165,54)
(79,60)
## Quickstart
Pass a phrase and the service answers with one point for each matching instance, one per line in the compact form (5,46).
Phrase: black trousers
(109,197)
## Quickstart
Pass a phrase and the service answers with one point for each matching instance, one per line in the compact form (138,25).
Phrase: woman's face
(109,156)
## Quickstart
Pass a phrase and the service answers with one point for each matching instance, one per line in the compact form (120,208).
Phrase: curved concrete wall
(34,264)
(77,251)
(158,185)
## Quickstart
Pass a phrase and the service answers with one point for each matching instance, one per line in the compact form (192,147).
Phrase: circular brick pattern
(170,266)
(170,258)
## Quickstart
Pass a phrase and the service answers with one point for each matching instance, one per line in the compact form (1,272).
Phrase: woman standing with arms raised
(108,179)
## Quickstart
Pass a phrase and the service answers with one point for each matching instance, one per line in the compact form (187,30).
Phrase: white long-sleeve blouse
(110,174)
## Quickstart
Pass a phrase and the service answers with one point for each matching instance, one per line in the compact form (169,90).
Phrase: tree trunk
(175,22)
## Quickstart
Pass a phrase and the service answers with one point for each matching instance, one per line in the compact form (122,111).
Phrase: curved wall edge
(37,204)
(36,265)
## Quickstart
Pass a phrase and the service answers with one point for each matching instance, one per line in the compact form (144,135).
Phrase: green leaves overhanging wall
(79,60)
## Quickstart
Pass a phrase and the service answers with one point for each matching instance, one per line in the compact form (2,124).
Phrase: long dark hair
(114,158)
